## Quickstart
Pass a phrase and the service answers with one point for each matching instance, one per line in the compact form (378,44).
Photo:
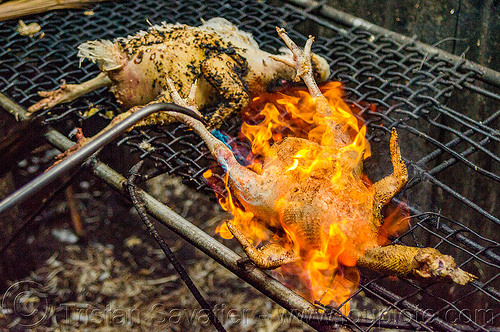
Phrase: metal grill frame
(411,88)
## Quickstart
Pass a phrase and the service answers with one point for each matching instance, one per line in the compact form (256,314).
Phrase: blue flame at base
(230,142)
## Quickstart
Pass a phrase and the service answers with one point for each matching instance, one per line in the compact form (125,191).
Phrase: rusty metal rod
(79,156)
(294,303)
(181,271)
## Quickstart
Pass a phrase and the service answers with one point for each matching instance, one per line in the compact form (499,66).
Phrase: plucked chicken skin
(221,64)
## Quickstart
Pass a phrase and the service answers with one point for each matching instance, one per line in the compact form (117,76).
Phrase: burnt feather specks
(224,63)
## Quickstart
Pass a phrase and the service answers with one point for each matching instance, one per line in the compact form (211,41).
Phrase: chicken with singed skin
(222,64)
(283,198)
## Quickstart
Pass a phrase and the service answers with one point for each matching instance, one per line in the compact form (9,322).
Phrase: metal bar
(465,138)
(455,154)
(488,75)
(426,176)
(399,301)
(434,154)
(83,153)
(477,126)
(449,230)
(482,91)
(453,161)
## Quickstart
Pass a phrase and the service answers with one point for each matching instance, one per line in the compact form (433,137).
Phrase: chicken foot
(301,61)
(221,72)
(389,186)
(69,92)
(403,261)
(269,256)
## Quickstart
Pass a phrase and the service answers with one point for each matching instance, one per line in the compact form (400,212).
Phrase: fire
(328,270)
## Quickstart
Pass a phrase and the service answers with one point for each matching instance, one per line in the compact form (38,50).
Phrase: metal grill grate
(449,149)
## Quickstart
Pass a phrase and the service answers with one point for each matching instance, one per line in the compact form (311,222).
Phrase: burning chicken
(216,59)
(311,193)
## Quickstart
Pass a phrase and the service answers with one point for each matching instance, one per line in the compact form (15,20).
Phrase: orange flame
(328,270)
(245,220)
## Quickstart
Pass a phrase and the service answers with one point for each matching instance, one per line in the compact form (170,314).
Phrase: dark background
(462,27)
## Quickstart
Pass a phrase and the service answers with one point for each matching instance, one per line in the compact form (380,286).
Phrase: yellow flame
(294,166)
(243,219)
(328,271)
(223,231)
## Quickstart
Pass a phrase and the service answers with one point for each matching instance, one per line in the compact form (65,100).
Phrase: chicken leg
(69,92)
(403,261)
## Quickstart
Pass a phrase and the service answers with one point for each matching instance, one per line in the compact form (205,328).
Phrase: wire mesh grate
(447,120)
